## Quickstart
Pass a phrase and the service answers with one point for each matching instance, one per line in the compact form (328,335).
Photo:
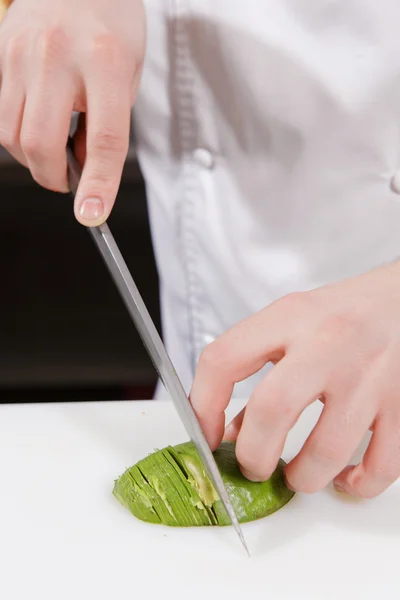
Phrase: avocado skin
(170,487)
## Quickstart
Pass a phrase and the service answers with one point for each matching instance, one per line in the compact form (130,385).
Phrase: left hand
(339,343)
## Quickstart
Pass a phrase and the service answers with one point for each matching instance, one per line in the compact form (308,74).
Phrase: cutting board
(64,536)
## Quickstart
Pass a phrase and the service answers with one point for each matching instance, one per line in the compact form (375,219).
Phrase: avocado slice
(171,487)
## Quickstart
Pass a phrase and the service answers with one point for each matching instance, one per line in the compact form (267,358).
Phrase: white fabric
(268,132)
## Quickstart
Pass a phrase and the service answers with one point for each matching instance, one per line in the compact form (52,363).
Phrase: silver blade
(155,347)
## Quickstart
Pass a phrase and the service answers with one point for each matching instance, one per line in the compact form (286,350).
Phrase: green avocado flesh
(171,487)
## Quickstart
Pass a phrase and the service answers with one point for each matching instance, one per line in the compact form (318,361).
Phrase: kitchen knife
(137,309)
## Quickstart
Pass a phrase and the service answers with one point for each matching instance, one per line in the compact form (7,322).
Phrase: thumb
(103,146)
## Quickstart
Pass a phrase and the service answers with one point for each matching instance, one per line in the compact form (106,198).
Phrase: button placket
(187,127)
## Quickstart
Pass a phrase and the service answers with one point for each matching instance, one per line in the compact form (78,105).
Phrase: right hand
(57,57)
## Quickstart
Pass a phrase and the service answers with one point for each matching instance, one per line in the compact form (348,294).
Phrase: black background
(64,331)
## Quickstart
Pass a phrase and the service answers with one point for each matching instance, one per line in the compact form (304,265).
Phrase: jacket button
(204,158)
(208,339)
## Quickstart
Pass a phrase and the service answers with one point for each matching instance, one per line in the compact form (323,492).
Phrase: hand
(57,57)
(339,343)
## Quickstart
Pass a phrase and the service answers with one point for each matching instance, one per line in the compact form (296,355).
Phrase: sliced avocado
(171,487)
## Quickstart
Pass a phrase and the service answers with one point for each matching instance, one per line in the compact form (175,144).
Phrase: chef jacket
(268,133)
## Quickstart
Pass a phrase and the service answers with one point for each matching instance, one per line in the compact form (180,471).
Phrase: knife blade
(151,339)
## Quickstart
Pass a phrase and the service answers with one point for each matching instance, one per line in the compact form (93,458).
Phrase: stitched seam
(186,121)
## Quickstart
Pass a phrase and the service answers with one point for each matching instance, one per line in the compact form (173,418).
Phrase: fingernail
(250,476)
(91,209)
(339,488)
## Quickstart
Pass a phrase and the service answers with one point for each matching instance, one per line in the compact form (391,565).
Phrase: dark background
(64,331)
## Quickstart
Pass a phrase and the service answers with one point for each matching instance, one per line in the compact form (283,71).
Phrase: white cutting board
(64,536)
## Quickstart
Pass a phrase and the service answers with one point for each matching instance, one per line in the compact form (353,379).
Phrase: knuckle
(52,44)
(327,451)
(271,403)
(107,140)
(258,406)
(100,182)
(37,147)
(344,324)
(32,146)
(14,50)
(213,357)
(51,178)
(48,177)
(109,48)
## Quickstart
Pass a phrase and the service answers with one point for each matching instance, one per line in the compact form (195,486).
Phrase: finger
(48,110)
(239,353)
(12,102)
(380,466)
(108,118)
(107,145)
(272,411)
(232,430)
(328,449)
(45,130)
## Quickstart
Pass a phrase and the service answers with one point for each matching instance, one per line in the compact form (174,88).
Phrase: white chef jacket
(268,132)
